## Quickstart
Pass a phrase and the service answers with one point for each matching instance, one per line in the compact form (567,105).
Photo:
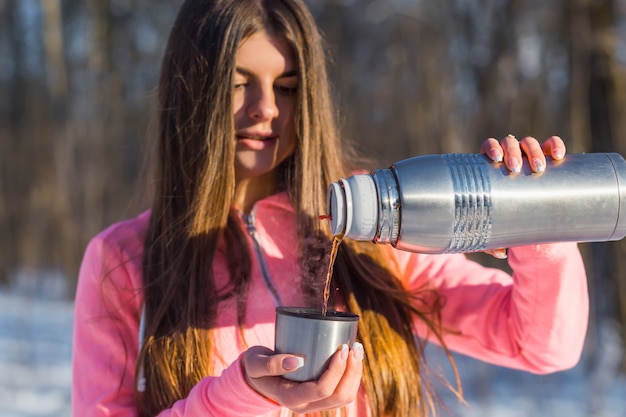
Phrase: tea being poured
(329,274)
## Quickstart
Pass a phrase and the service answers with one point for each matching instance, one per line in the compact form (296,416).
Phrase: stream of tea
(329,273)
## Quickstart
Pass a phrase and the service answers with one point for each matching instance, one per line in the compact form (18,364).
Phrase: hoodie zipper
(249,220)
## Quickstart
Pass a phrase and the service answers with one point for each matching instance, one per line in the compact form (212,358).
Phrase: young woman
(175,308)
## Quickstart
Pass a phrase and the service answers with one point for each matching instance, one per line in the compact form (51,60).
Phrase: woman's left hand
(336,387)
(510,150)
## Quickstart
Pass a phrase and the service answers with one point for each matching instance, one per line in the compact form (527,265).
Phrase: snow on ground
(35,367)
(35,349)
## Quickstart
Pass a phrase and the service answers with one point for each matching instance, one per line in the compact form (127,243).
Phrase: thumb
(260,361)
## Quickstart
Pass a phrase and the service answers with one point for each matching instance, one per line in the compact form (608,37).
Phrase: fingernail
(496,156)
(538,164)
(358,351)
(344,351)
(558,154)
(293,362)
(500,254)
(514,165)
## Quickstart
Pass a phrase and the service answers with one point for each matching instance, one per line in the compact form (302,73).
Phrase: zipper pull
(249,221)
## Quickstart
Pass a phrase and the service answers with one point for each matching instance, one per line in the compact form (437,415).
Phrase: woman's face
(264,102)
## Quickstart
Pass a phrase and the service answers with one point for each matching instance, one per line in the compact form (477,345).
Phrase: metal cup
(307,333)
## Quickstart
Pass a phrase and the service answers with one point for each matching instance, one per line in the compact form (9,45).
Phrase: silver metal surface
(465,203)
(388,206)
(305,332)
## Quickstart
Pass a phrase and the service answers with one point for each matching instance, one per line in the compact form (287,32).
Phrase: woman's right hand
(338,385)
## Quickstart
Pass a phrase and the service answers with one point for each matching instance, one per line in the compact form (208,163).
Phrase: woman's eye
(286,90)
(239,86)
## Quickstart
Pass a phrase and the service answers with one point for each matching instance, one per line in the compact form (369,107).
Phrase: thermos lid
(336,206)
(353,207)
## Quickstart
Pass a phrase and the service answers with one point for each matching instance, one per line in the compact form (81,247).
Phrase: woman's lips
(257,143)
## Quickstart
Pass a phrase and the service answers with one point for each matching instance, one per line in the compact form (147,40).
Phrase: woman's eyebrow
(286,74)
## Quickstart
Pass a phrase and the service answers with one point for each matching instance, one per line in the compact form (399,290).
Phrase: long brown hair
(192,211)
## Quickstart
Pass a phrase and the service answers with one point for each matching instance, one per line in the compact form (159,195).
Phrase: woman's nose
(262,105)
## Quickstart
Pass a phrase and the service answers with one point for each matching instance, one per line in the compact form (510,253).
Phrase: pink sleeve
(226,395)
(535,320)
(105,340)
(105,347)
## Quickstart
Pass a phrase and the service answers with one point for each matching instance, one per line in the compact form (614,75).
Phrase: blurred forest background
(77,87)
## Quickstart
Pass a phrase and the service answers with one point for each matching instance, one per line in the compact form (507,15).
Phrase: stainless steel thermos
(466,203)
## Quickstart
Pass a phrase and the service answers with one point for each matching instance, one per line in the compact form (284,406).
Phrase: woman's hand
(338,385)
(510,151)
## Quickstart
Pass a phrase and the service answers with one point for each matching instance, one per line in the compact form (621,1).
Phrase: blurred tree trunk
(496,75)
(10,104)
(99,64)
(63,224)
(606,95)
(597,118)
(577,27)
(54,50)
(21,163)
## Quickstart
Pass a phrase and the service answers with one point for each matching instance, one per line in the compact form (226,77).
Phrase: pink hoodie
(535,320)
